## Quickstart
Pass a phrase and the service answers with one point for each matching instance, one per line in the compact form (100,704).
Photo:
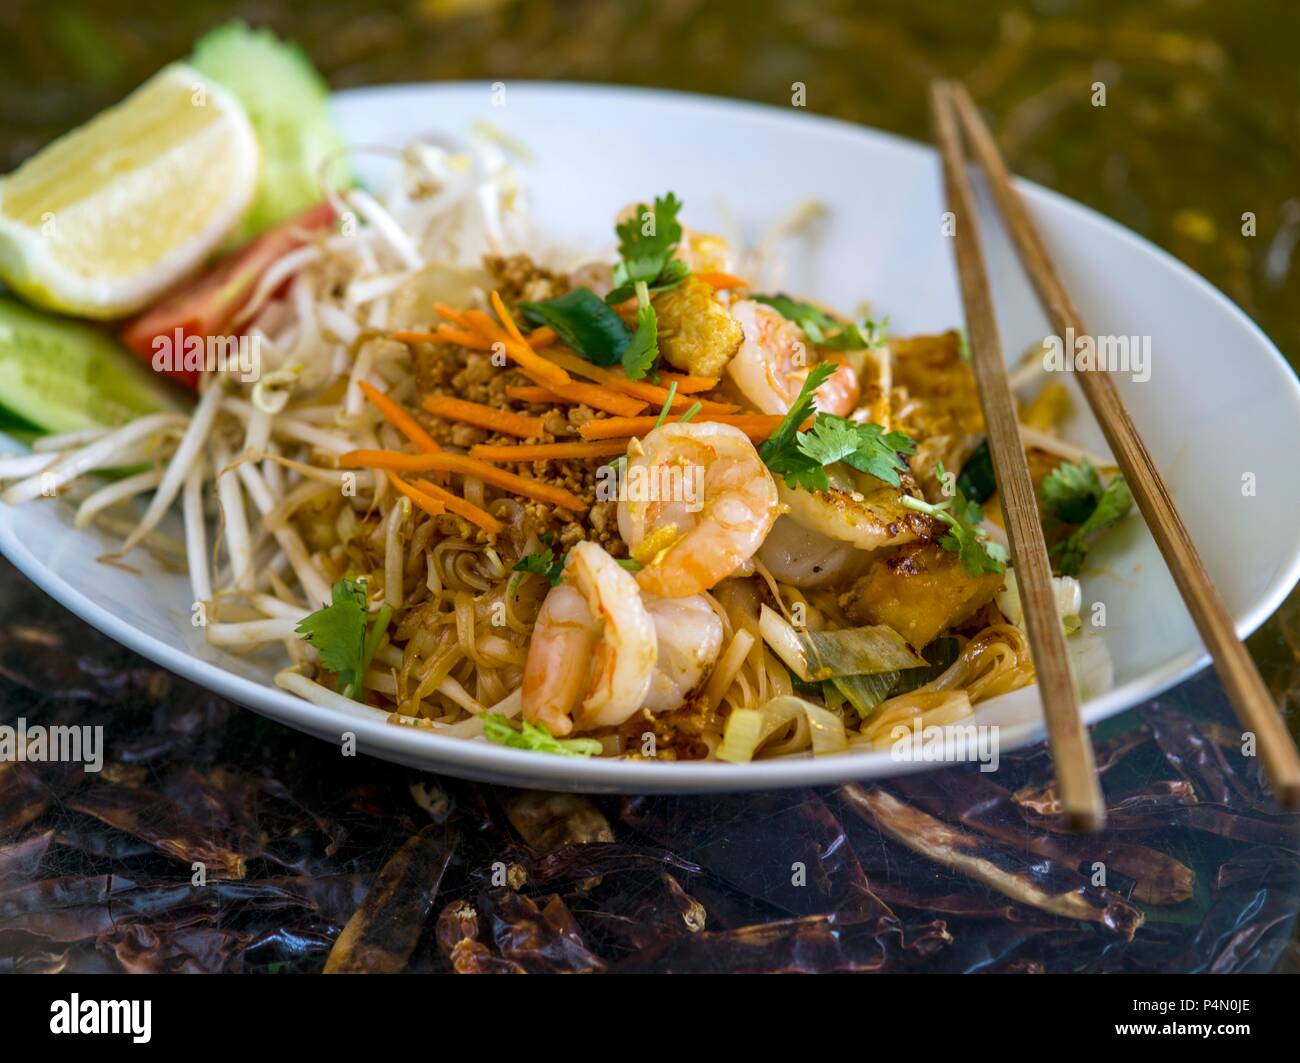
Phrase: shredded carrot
(534,393)
(402,421)
(546,451)
(461,507)
(479,331)
(722,280)
(593,395)
(657,396)
(448,334)
(399,418)
(542,337)
(451,314)
(475,413)
(430,505)
(529,360)
(640,389)
(754,425)
(688,385)
(506,319)
(466,466)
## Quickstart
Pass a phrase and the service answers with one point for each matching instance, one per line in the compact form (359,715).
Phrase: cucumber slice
(17,429)
(288,104)
(61,375)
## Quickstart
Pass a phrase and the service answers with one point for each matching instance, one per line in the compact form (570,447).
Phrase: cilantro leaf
(784,438)
(673,273)
(1115,502)
(799,470)
(640,354)
(344,636)
(801,457)
(498,729)
(1074,494)
(646,256)
(543,563)
(781,451)
(585,322)
(1071,492)
(812,319)
(865,447)
(965,537)
(824,330)
(830,439)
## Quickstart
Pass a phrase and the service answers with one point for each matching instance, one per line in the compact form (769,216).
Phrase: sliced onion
(817,655)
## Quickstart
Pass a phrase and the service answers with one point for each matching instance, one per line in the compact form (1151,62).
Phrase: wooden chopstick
(1068,741)
(1241,679)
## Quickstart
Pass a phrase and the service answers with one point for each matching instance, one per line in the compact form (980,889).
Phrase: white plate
(1221,401)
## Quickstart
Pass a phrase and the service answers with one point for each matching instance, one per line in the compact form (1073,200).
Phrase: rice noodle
(729,664)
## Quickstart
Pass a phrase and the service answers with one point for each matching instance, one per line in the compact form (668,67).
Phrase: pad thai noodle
(645,501)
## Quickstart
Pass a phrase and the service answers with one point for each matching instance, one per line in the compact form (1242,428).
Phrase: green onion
(663,413)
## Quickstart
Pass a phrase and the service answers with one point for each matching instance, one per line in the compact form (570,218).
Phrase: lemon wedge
(105,218)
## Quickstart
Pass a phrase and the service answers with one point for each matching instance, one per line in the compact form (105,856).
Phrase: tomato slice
(208,304)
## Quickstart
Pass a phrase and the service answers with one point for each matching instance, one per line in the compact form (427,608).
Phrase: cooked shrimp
(839,394)
(690,637)
(593,650)
(806,558)
(713,504)
(774,360)
(858,509)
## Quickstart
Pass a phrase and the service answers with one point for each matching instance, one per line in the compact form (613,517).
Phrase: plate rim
(437,753)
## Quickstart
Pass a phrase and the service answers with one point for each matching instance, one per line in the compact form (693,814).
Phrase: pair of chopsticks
(953,113)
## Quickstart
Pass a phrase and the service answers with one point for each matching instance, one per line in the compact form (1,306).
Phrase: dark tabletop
(291,842)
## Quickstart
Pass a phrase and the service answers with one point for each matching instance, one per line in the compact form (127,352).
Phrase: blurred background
(1201,123)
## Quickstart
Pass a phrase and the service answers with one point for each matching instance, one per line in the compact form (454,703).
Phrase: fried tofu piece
(921,592)
(697,334)
(931,369)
